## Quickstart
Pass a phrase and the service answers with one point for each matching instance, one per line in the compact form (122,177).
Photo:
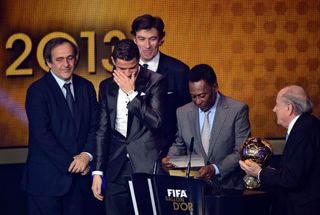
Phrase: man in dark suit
(62,113)
(128,137)
(296,183)
(148,33)
(219,142)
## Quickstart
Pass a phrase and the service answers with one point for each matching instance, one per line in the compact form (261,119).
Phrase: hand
(86,171)
(250,167)
(96,187)
(124,82)
(166,163)
(206,173)
(80,163)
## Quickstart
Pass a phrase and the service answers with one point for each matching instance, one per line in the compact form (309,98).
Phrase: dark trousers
(69,204)
(117,194)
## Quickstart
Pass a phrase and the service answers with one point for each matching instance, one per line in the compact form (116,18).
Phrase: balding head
(291,101)
(298,97)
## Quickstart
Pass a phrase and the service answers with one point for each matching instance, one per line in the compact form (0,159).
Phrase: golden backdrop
(256,47)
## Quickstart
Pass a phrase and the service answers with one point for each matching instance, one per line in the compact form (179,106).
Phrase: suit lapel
(79,95)
(194,118)
(219,118)
(112,100)
(162,67)
(142,80)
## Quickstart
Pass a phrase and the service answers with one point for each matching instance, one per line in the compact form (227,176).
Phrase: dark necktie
(69,98)
(145,66)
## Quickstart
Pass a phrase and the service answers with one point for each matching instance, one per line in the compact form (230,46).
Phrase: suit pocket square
(169,92)
(142,94)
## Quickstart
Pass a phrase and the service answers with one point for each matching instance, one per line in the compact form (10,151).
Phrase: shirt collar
(59,80)
(291,124)
(153,63)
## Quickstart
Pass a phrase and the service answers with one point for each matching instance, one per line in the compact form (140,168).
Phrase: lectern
(163,195)
(173,195)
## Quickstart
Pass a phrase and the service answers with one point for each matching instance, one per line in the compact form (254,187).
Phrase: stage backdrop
(256,47)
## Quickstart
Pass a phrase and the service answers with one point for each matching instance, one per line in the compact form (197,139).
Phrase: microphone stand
(155,165)
(190,155)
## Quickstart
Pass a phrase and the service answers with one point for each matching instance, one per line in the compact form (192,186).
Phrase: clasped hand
(80,164)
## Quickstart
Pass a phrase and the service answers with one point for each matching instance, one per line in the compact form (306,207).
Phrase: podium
(163,195)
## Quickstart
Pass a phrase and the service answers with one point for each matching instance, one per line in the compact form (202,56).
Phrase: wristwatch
(130,92)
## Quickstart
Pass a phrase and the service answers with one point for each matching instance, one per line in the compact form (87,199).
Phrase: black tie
(69,98)
(145,66)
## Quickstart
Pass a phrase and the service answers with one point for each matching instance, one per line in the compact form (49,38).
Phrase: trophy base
(251,182)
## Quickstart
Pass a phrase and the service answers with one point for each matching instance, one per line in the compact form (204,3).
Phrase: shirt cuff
(132,95)
(90,156)
(217,171)
(259,175)
(97,172)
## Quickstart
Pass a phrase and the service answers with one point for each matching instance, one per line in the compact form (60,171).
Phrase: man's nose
(148,44)
(198,101)
(66,62)
(274,109)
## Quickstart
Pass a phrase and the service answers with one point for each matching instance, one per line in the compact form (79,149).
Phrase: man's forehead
(147,32)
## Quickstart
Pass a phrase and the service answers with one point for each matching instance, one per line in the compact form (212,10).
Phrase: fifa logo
(177,193)
(179,200)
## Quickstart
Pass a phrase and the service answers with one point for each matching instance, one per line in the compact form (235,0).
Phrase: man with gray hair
(296,183)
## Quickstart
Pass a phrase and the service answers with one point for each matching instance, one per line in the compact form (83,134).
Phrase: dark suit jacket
(230,129)
(145,113)
(299,176)
(54,137)
(176,74)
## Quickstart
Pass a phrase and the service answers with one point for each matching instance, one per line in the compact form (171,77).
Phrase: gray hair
(299,99)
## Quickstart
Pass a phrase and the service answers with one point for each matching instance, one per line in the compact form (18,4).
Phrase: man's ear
(290,109)
(161,42)
(48,63)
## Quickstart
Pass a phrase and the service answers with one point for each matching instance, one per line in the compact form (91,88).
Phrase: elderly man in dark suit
(148,33)
(218,124)
(296,183)
(128,138)
(62,113)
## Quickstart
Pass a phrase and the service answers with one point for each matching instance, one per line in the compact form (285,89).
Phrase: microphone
(190,154)
(155,165)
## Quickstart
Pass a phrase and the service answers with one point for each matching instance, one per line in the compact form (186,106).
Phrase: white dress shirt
(153,63)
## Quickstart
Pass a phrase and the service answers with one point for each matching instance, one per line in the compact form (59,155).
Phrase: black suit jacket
(54,136)
(298,179)
(176,74)
(145,120)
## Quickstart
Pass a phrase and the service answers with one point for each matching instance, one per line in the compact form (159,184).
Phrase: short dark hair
(203,72)
(54,43)
(148,21)
(126,50)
